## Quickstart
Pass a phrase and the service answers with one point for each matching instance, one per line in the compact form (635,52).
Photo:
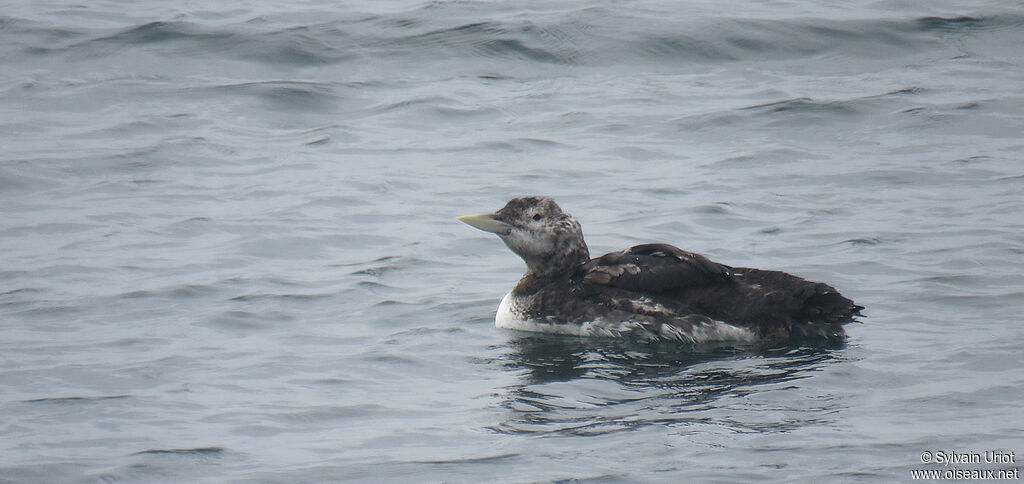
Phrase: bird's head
(536,228)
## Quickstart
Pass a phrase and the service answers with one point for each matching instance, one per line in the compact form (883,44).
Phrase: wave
(303,96)
(187,451)
(76,399)
(582,37)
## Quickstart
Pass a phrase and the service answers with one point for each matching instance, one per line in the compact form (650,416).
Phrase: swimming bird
(649,291)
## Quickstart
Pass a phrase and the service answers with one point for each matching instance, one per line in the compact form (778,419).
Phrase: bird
(652,292)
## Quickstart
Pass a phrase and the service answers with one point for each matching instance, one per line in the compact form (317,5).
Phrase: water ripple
(230,253)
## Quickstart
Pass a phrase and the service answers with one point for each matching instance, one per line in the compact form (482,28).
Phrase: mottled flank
(649,291)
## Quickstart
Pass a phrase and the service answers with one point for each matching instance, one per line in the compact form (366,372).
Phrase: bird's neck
(552,268)
(531,284)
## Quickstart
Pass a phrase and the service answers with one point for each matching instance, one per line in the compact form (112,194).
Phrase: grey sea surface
(228,250)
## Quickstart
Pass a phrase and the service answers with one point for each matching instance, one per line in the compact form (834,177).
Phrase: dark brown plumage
(655,291)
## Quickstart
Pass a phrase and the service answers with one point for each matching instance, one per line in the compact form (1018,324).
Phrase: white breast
(512,316)
(509,314)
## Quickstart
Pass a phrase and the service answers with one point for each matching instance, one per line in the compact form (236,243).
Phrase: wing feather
(655,268)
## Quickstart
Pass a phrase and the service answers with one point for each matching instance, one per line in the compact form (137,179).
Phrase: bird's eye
(538,217)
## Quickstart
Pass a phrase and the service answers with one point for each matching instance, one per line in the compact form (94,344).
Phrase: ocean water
(228,250)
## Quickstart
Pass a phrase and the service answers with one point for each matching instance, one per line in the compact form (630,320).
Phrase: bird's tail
(822,303)
(807,301)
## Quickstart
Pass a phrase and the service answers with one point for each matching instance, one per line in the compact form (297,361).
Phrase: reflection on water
(579,386)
